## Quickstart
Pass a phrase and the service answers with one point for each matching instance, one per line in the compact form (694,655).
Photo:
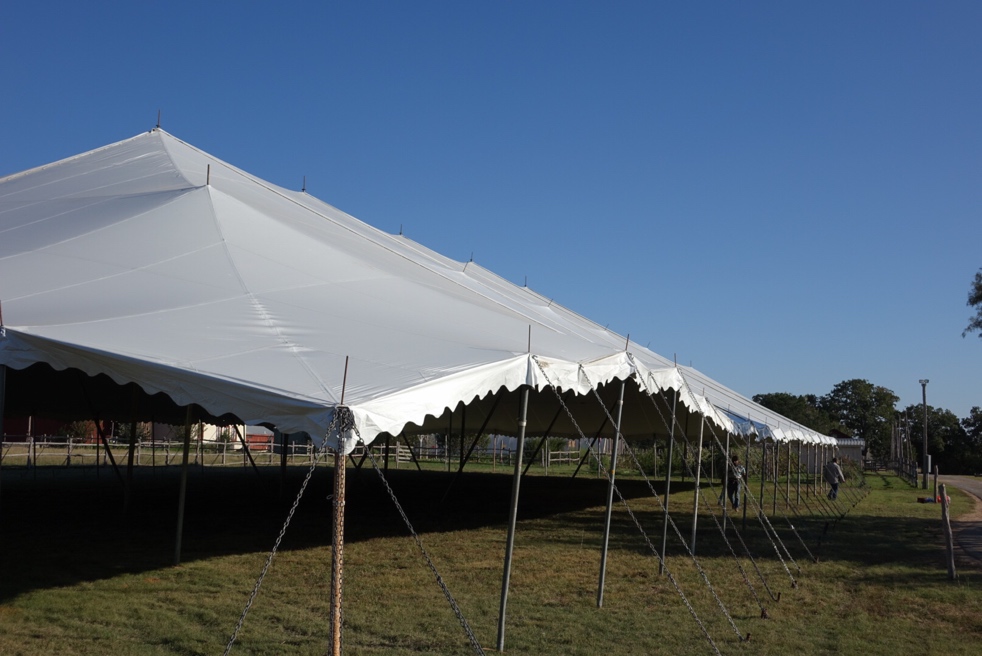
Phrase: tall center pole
(668,485)
(513,518)
(924,382)
(610,499)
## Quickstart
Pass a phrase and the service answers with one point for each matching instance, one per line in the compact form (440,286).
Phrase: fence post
(949,539)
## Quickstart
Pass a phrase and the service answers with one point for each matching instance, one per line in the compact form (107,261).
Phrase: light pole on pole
(923,383)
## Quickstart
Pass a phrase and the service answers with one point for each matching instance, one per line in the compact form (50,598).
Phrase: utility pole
(924,382)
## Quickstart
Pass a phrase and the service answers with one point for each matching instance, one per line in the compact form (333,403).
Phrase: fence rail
(30,452)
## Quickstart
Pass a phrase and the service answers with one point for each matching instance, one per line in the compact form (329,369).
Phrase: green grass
(80,576)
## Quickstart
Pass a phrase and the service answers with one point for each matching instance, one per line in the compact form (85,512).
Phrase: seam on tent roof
(121,272)
(375,232)
(60,162)
(257,304)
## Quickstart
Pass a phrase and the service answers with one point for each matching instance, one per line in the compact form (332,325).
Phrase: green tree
(803,409)
(973,436)
(975,301)
(947,439)
(863,409)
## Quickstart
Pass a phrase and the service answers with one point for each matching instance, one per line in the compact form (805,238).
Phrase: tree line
(858,408)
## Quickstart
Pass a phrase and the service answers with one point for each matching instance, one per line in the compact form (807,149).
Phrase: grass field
(77,576)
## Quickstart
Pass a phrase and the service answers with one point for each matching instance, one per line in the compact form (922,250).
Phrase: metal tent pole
(610,499)
(726,481)
(798,484)
(513,517)
(182,494)
(787,483)
(777,474)
(746,484)
(698,477)
(3,393)
(668,485)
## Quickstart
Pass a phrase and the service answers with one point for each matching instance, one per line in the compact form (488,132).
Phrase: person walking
(737,474)
(834,476)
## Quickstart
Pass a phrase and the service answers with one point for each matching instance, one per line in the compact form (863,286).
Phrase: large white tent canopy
(150,262)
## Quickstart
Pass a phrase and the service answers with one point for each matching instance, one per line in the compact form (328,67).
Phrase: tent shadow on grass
(63,527)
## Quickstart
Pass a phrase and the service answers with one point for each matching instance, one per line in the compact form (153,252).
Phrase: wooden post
(337,562)
(949,538)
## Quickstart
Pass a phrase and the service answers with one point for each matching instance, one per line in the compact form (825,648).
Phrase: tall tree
(975,301)
(947,439)
(802,409)
(864,409)
(973,435)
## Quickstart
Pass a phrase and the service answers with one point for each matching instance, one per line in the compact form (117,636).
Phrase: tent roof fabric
(155,263)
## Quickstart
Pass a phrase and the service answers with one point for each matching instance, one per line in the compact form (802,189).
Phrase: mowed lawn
(78,575)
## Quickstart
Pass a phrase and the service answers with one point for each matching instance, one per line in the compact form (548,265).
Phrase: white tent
(151,262)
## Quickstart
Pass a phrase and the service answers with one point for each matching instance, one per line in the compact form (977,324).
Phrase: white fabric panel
(251,299)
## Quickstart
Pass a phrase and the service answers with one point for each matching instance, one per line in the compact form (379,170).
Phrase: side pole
(763,474)
(668,486)
(777,474)
(610,499)
(182,495)
(695,501)
(798,484)
(726,482)
(513,518)
(746,485)
(284,443)
(787,483)
(3,393)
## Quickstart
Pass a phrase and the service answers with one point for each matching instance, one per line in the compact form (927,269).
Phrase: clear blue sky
(785,195)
